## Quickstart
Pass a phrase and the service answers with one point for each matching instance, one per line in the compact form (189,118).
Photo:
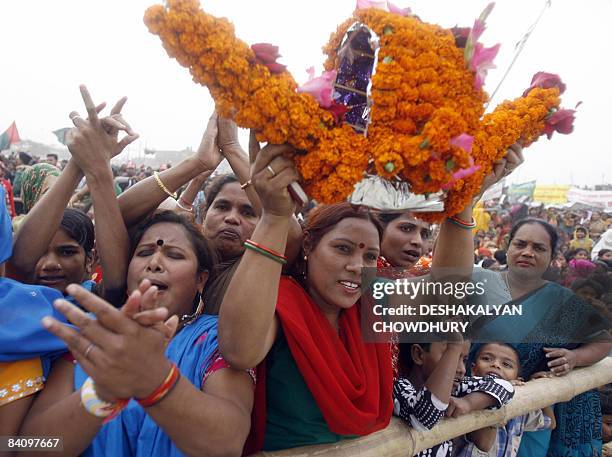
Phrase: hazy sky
(50,47)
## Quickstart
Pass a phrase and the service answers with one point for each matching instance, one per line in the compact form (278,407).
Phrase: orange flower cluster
(423,96)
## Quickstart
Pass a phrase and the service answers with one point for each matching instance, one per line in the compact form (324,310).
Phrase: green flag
(63,135)
(10,136)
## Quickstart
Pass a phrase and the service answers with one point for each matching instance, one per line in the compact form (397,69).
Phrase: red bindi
(361,245)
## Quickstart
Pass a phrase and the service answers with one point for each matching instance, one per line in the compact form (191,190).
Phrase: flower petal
(463,141)
(321,88)
(376,4)
(397,10)
(546,81)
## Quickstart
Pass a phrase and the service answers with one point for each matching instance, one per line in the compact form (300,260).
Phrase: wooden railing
(400,440)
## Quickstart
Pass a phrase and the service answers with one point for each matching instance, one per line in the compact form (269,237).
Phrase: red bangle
(163,390)
(268,250)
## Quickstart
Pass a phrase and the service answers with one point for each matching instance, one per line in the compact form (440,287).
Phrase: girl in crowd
(428,374)
(319,381)
(128,360)
(59,251)
(547,336)
(581,240)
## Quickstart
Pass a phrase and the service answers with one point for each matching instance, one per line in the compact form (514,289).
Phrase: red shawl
(351,381)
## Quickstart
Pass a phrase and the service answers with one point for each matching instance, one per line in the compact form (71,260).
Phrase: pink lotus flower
(561,121)
(481,62)
(463,141)
(545,81)
(461,174)
(267,54)
(321,88)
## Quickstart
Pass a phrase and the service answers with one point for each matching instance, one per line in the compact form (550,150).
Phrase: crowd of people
(227,320)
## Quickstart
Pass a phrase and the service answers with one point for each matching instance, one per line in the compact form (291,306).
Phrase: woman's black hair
(603,252)
(488,262)
(206,255)
(79,227)
(215,187)
(552,233)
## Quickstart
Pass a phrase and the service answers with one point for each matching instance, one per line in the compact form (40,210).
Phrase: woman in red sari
(318,381)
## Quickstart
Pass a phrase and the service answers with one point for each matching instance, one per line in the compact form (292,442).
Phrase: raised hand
(502,168)
(227,138)
(271,173)
(208,152)
(91,142)
(124,358)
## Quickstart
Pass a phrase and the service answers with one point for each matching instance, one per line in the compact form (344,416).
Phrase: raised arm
(92,147)
(247,325)
(33,238)
(144,197)
(455,244)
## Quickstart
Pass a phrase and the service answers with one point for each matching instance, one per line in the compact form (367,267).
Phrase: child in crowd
(428,374)
(501,361)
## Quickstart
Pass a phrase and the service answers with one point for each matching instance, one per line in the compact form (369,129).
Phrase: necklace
(505,276)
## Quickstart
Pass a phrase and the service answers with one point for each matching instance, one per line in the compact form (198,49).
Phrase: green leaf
(388,59)
(389,167)
(450,165)
(424,144)
(388,30)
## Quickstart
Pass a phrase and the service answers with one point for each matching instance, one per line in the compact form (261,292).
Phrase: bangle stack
(97,407)
(266,252)
(162,186)
(163,390)
(463,224)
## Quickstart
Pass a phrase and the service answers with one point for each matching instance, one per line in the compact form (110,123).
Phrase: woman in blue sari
(206,412)
(555,333)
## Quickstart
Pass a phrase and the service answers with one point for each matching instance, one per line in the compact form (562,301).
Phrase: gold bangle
(162,186)
(189,210)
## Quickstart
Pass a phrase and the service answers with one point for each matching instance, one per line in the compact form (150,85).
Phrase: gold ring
(271,170)
(246,184)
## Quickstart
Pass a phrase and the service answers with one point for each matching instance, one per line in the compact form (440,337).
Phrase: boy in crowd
(501,360)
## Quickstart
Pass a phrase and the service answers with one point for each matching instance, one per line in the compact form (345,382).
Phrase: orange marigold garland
(426,96)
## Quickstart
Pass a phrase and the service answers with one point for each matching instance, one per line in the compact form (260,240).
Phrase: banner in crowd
(493,192)
(516,191)
(550,193)
(597,198)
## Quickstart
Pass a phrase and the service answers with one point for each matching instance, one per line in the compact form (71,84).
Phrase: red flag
(10,136)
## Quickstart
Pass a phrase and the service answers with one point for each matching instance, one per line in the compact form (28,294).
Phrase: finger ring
(88,350)
(246,184)
(271,170)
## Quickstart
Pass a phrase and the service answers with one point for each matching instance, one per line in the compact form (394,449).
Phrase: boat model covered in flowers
(397,119)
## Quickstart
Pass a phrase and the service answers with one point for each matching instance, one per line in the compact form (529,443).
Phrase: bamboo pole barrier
(400,440)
